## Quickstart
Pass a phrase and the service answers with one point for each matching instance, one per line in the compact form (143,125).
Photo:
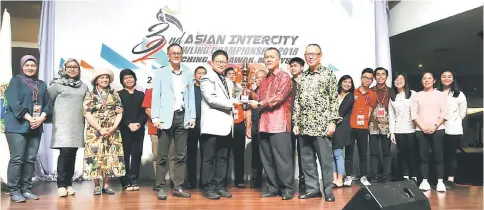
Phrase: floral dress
(103,156)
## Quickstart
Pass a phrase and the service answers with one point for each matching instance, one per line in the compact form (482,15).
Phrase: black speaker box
(403,195)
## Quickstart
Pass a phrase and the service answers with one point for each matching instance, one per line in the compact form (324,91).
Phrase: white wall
(408,15)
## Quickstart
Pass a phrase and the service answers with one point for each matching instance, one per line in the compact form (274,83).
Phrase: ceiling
(449,44)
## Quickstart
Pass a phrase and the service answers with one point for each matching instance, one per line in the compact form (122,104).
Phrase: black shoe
(162,194)
(210,195)
(30,196)
(287,196)
(108,191)
(329,198)
(240,185)
(224,194)
(310,195)
(180,193)
(17,198)
(269,195)
(449,185)
(191,185)
(156,188)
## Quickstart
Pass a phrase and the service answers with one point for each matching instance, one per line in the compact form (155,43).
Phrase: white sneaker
(364,181)
(441,187)
(425,186)
(348,181)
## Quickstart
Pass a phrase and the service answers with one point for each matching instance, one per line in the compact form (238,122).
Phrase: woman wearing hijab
(26,111)
(103,155)
(67,94)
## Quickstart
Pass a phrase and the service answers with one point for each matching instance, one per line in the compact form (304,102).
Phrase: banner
(135,34)
(6,72)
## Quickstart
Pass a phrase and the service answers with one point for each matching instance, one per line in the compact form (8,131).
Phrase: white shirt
(399,114)
(457,111)
(178,90)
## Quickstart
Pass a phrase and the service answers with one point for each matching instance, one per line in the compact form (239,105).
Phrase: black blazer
(342,135)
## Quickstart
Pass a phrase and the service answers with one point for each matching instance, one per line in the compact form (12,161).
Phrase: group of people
(308,112)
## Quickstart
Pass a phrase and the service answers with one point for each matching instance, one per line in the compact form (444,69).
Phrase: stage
(463,197)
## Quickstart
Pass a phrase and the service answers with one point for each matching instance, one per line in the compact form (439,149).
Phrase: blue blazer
(19,102)
(163,98)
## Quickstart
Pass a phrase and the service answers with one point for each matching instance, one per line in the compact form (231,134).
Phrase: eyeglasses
(367,78)
(176,53)
(220,62)
(312,54)
(73,68)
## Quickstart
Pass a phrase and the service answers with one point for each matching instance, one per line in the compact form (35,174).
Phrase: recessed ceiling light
(420,65)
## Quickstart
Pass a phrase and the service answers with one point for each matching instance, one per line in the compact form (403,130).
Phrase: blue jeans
(23,153)
(338,162)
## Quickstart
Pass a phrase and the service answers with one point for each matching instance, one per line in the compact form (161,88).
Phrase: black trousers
(278,161)
(361,136)
(296,143)
(380,155)
(256,164)
(408,153)
(66,164)
(238,149)
(215,157)
(322,148)
(133,149)
(178,132)
(451,144)
(426,143)
(192,154)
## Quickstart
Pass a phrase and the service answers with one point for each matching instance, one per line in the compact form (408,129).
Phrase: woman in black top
(342,135)
(132,128)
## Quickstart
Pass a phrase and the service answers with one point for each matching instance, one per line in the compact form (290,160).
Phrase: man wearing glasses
(216,126)
(315,116)
(172,113)
(365,100)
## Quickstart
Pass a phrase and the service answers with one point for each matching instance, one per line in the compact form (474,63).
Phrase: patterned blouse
(316,103)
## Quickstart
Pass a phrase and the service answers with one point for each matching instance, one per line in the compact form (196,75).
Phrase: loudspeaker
(403,195)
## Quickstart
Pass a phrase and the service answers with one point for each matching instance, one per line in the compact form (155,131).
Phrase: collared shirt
(178,90)
(363,104)
(275,99)
(379,124)
(457,111)
(316,103)
(399,114)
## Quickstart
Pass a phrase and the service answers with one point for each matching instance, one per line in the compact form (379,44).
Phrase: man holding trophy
(274,101)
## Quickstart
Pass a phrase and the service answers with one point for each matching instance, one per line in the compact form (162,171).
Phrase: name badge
(236,113)
(37,110)
(380,112)
(360,120)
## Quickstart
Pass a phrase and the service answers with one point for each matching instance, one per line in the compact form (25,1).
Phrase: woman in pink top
(429,111)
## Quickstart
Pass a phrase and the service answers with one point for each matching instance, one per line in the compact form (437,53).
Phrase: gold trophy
(244,96)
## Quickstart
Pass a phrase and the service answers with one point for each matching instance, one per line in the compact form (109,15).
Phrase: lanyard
(380,102)
(100,96)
